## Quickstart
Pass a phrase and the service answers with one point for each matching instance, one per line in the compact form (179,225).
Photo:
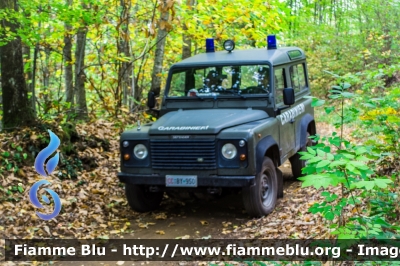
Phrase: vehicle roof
(253,56)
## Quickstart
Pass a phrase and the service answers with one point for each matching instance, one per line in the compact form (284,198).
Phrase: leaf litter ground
(94,204)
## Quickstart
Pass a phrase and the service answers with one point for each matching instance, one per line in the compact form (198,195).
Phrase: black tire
(279,176)
(142,200)
(260,199)
(295,161)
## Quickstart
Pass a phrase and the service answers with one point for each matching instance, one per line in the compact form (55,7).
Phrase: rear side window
(279,75)
(298,77)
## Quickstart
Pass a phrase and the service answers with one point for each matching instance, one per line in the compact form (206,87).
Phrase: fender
(261,150)
(302,128)
(269,144)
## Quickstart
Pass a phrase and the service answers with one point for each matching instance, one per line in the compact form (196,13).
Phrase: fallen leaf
(161,216)
(226,224)
(141,225)
(47,229)
(183,237)
(204,222)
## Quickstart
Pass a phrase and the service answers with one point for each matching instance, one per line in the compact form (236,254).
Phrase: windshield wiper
(235,93)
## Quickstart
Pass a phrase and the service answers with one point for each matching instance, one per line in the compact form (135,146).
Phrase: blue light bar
(210,45)
(271,41)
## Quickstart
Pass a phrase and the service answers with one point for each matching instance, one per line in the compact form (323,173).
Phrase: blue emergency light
(271,41)
(210,45)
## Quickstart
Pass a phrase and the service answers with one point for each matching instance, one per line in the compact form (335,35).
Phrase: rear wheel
(260,199)
(142,200)
(295,161)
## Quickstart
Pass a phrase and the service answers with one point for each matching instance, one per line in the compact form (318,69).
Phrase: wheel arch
(267,147)
(307,124)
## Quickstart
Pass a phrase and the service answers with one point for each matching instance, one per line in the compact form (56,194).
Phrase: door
(287,138)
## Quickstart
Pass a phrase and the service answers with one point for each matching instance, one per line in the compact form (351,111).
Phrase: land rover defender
(227,119)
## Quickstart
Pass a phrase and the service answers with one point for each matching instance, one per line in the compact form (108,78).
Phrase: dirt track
(225,218)
(216,218)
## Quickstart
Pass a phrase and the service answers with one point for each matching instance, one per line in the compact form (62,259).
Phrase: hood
(210,121)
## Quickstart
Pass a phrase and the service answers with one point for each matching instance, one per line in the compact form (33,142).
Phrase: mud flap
(280,182)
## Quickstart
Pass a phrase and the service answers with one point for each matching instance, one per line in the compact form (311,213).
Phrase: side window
(177,87)
(298,77)
(279,84)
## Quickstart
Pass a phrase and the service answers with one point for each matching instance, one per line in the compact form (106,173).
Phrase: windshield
(220,81)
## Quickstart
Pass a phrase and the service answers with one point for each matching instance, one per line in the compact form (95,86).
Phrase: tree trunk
(186,44)
(30,72)
(17,110)
(46,80)
(67,53)
(186,40)
(33,85)
(290,4)
(26,51)
(125,69)
(26,57)
(136,91)
(80,77)
(138,88)
(159,55)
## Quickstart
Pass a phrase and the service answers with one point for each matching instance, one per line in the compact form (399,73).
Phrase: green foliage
(12,160)
(12,192)
(346,168)
(343,37)
(383,120)
(336,162)
(70,168)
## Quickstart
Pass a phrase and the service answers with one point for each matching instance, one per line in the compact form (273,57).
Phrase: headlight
(229,151)
(140,151)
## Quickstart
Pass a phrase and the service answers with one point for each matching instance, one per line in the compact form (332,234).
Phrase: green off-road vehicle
(228,119)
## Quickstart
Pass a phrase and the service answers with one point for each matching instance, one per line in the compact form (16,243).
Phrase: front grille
(183,154)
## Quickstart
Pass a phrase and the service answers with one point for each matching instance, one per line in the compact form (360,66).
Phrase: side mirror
(288,96)
(151,100)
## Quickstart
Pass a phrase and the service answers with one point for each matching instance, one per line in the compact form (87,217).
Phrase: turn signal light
(127,157)
(242,157)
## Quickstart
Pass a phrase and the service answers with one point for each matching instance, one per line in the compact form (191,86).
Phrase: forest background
(98,58)
(83,69)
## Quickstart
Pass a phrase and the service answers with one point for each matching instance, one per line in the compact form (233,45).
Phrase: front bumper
(211,181)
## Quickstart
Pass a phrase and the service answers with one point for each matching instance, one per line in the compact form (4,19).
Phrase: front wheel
(142,200)
(260,199)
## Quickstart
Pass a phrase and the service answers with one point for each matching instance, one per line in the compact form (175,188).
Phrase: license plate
(181,181)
